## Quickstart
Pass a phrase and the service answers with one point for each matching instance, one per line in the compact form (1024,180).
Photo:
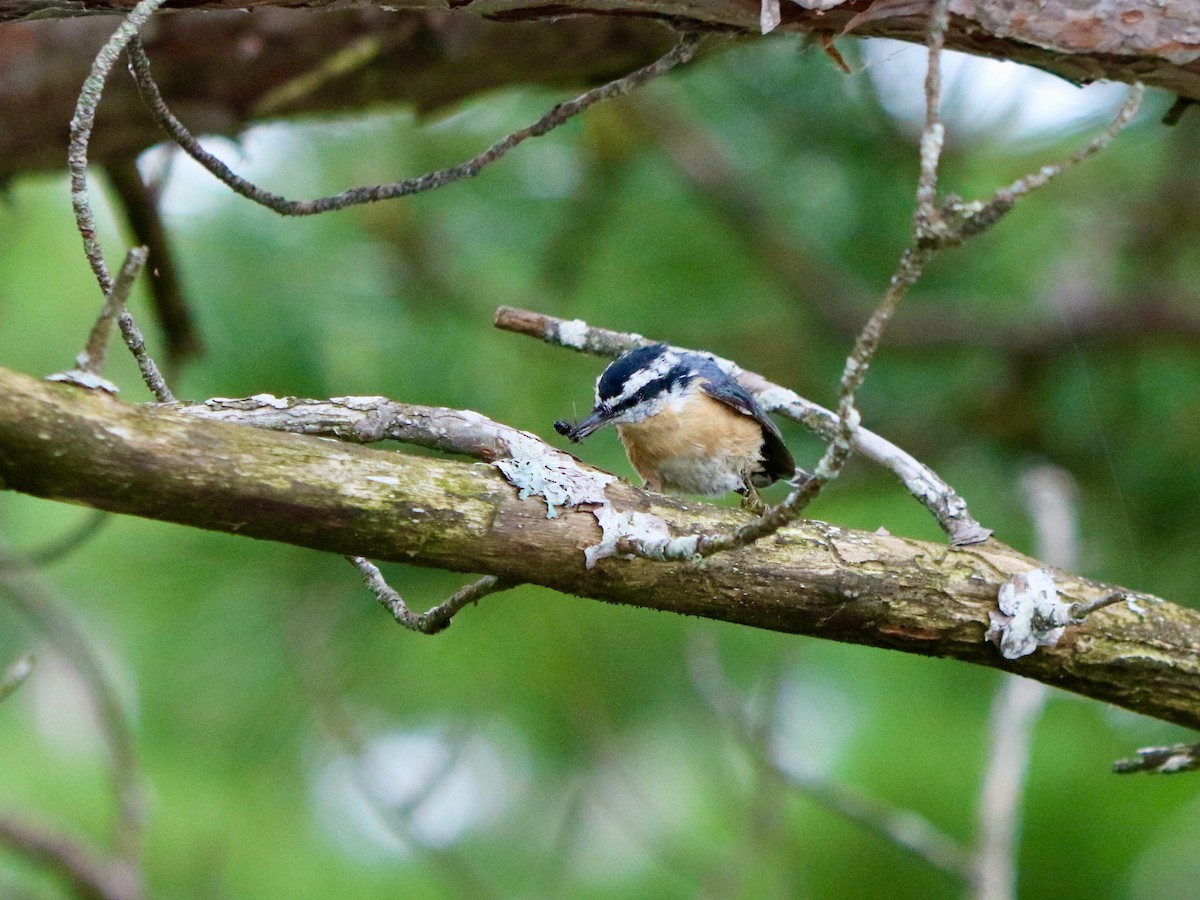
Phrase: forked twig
(82,123)
(90,362)
(436,618)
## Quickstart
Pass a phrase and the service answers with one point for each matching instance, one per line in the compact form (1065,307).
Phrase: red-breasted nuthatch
(686,425)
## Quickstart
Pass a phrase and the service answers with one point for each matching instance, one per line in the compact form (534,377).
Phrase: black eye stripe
(652,389)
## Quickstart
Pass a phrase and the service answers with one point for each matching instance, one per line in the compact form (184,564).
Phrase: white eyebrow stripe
(658,367)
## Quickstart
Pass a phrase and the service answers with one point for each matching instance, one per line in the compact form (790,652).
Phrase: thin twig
(151,375)
(81,132)
(35,602)
(85,220)
(933,231)
(91,876)
(96,349)
(912,264)
(841,446)
(1083,609)
(56,549)
(682,52)
(90,362)
(933,135)
(1161,760)
(961,221)
(436,618)
(906,829)
(1043,176)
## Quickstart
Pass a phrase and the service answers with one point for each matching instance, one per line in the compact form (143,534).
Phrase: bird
(687,426)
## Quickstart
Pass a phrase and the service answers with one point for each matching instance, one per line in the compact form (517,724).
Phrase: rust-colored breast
(698,446)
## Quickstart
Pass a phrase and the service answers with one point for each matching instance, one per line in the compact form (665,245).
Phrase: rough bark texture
(225,70)
(64,443)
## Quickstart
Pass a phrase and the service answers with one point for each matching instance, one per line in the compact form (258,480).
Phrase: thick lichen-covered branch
(65,443)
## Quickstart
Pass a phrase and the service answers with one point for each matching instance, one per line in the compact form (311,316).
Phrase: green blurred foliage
(577,756)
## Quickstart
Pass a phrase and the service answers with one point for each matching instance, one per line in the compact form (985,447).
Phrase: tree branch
(1126,40)
(682,52)
(61,442)
(430,59)
(227,71)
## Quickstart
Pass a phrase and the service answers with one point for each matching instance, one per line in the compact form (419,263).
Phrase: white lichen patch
(361,404)
(851,550)
(538,470)
(776,397)
(85,379)
(1030,616)
(1176,762)
(1134,606)
(617,525)
(391,480)
(270,400)
(120,432)
(573,333)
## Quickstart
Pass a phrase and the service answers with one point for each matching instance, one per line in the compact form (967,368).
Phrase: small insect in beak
(577,432)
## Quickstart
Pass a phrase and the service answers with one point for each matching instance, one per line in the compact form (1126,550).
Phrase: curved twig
(682,52)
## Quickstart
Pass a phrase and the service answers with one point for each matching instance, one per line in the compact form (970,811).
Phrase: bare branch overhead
(281,61)
(225,71)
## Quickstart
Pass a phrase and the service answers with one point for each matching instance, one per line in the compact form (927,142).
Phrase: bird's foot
(753,502)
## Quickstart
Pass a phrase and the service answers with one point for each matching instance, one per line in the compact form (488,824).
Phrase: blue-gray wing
(777,459)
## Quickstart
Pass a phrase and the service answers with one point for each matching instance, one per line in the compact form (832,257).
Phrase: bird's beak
(597,419)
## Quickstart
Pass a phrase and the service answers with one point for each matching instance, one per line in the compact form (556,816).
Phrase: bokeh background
(295,743)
